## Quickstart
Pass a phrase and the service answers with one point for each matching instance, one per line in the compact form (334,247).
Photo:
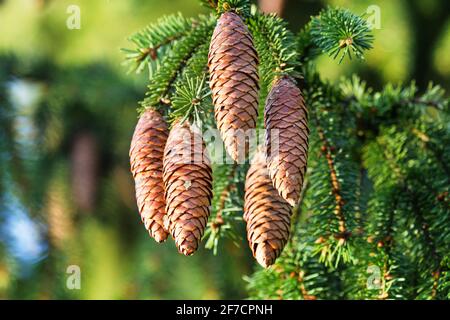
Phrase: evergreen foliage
(374,217)
(340,32)
(373,222)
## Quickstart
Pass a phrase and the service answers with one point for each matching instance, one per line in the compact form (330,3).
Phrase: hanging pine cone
(286,121)
(146,158)
(234,82)
(188,187)
(268,216)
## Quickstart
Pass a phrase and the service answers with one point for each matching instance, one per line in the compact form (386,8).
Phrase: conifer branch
(192,96)
(226,206)
(398,136)
(415,203)
(276,49)
(154,37)
(431,146)
(241,7)
(174,62)
(340,33)
(275,45)
(224,195)
(428,239)
(295,219)
(333,216)
(336,189)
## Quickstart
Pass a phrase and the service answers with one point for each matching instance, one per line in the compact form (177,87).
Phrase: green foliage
(276,49)
(339,32)
(393,101)
(190,100)
(396,202)
(152,40)
(297,275)
(192,97)
(373,221)
(241,7)
(173,63)
(275,45)
(226,206)
(420,213)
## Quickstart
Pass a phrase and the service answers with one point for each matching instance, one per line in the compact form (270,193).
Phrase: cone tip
(159,237)
(264,255)
(186,249)
(291,201)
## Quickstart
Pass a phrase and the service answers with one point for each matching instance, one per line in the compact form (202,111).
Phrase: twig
(336,189)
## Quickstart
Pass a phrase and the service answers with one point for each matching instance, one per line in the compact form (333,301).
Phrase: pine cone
(146,158)
(286,121)
(188,187)
(234,82)
(268,216)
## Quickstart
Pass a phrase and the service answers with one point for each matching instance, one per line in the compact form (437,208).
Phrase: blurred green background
(67,113)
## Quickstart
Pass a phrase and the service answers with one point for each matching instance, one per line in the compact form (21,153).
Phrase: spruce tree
(372,220)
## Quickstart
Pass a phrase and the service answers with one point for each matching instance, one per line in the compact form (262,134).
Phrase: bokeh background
(67,114)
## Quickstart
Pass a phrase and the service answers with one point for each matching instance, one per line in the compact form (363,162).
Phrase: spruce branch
(192,96)
(429,242)
(174,62)
(277,53)
(275,44)
(420,218)
(227,206)
(241,7)
(382,228)
(396,139)
(191,100)
(336,189)
(149,41)
(391,99)
(339,33)
(334,202)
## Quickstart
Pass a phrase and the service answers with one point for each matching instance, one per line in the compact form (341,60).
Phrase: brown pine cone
(286,122)
(234,82)
(146,158)
(188,187)
(268,216)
